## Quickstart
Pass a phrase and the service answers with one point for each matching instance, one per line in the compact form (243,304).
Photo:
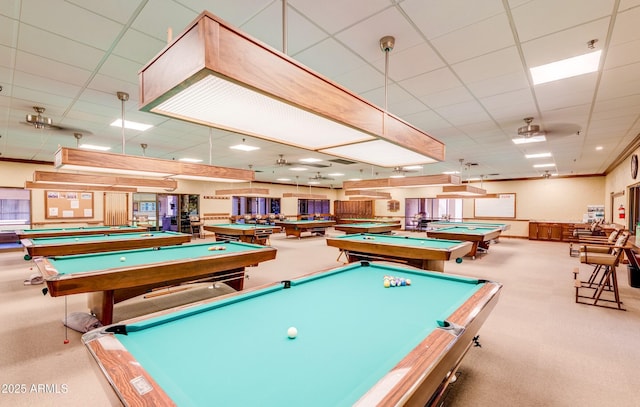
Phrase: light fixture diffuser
(566,68)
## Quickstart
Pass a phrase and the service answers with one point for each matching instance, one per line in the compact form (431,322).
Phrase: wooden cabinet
(545,231)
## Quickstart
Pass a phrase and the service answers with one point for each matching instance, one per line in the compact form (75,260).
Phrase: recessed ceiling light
(566,68)
(355,179)
(539,155)
(244,147)
(413,167)
(310,160)
(451,172)
(599,148)
(543,165)
(297,169)
(131,125)
(283,179)
(336,174)
(93,147)
(190,160)
(314,182)
(525,140)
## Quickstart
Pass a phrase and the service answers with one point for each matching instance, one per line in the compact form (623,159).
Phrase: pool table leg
(433,265)
(101,305)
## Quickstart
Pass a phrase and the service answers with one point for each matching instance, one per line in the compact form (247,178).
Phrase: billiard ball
(459,260)
(387,284)
(407,281)
(292,332)
(123,258)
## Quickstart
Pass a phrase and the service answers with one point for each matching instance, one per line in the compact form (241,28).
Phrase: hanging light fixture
(215,75)
(464,190)
(94,161)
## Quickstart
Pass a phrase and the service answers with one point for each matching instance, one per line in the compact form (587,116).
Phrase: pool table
(367,220)
(111,277)
(423,253)
(479,236)
(443,224)
(358,343)
(76,231)
(245,232)
(83,244)
(297,227)
(369,227)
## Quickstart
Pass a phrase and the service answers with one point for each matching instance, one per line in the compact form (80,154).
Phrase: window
(434,208)
(15,206)
(313,206)
(242,205)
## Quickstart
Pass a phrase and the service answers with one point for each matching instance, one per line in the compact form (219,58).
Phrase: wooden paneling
(354,209)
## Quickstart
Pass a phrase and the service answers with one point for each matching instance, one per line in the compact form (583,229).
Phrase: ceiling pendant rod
(210,145)
(123,96)
(284,27)
(386,45)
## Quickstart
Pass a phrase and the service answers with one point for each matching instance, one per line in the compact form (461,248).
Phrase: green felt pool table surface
(425,253)
(354,335)
(501,226)
(94,243)
(75,231)
(367,227)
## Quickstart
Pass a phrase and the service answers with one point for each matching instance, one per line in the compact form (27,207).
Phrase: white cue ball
(292,332)
(123,258)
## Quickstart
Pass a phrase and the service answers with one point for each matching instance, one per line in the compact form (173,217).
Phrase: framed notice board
(496,206)
(68,204)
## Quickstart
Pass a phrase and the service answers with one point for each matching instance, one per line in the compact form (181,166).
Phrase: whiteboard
(501,206)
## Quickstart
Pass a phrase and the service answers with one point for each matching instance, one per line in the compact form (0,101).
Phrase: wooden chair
(603,278)
(599,244)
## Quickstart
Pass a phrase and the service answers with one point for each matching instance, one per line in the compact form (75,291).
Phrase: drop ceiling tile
(478,39)
(8,31)
(510,105)
(325,14)
(488,66)
(447,97)
(323,58)
(139,47)
(361,79)
(268,27)
(565,44)
(160,16)
(436,18)
(463,113)
(55,71)
(495,86)
(57,48)
(364,37)
(621,81)
(67,20)
(623,54)
(410,62)
(534,19)
(432,82)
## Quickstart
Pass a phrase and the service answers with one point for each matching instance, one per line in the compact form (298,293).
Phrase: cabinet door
(555,232)
(533,230)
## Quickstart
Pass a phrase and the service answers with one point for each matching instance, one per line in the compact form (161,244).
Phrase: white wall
(557,199)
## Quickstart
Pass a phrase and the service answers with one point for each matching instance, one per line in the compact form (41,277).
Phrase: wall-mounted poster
(68,204)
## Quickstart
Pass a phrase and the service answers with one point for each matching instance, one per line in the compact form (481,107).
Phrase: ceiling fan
(281,161)
(39,121)
(530,130)
(320,177)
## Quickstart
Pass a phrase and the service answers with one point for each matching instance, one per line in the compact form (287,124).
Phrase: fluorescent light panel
(539,155)
(526,140)
(543,165)
(566,68)
(131,125)
(381,153)
(94,147)
(244,147)
(216,102)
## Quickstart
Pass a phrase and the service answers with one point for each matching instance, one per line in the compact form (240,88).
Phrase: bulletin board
(498,206)
(68,204)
